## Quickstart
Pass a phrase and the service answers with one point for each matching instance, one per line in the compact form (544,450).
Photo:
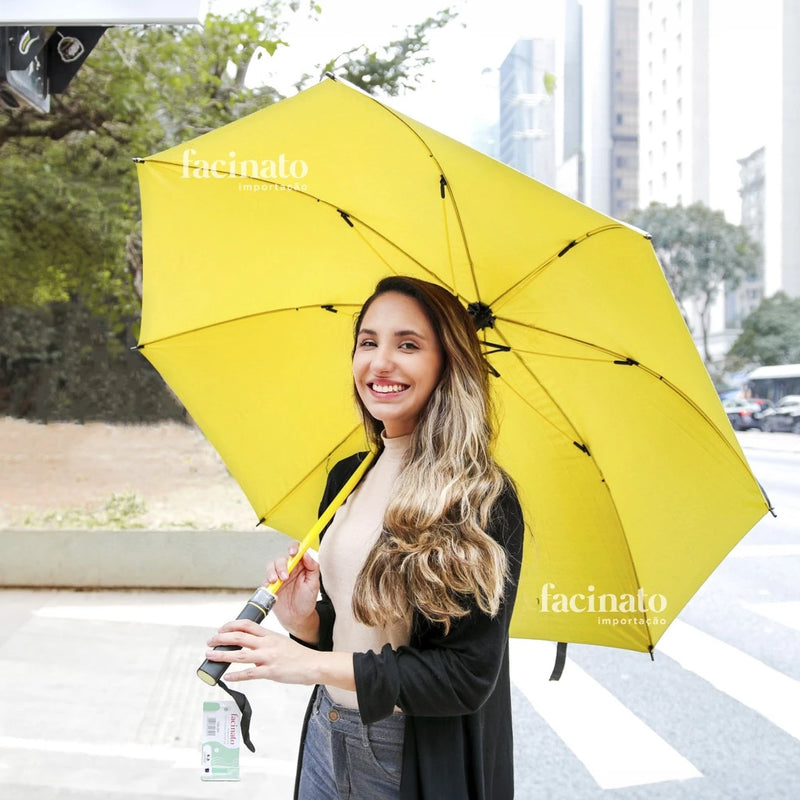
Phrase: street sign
(67,49)
(23,67)
(44,43)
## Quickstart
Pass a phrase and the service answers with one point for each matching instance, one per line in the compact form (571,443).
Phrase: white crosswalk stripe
(754,684)
(787,614)
(614,745)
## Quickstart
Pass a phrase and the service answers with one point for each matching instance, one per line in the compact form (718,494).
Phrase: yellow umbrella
(262,238)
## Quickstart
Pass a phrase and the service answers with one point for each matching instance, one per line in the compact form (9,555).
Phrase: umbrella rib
(583,448)
(536,271)
(626,361)
(444,184)
(515,351)
(305,477)
(332,308)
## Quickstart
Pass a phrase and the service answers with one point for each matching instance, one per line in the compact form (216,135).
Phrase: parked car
(785,416)
(743,414)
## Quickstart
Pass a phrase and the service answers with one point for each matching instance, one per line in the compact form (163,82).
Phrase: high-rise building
(611,106)
(745,298)
(527,138)
(624,184)
(782,241)
(674,102)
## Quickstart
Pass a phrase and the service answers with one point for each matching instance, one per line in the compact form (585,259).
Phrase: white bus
(772,383)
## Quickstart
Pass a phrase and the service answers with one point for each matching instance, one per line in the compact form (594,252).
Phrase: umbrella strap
(561,659)
(242,703)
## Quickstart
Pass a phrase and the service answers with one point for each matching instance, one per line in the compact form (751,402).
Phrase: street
(100,700)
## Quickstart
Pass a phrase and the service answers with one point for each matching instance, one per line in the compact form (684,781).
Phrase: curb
(102,559)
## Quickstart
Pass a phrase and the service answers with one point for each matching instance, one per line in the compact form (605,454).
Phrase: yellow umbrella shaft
(259,605)
(313,535)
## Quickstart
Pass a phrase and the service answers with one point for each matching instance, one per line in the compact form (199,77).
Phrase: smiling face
(397,361)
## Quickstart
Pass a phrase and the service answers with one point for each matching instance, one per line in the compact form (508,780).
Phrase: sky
(459,88)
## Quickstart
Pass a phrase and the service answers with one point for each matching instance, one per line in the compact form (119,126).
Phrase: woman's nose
(382,360)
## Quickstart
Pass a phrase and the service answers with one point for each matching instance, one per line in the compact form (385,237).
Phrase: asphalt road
(95,703)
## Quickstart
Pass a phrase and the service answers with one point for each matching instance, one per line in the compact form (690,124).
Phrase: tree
(392,68)
(770,334)
(701,253)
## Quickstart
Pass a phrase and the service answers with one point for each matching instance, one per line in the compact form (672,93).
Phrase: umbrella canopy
(262,239)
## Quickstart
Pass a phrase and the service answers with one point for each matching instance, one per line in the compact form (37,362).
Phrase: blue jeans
(343,759)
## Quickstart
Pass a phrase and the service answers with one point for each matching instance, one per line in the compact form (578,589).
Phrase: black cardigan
(454,688)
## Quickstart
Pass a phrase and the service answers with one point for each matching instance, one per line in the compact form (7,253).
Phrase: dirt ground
(52,475)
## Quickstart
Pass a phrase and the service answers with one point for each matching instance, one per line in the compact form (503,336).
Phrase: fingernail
(284,576)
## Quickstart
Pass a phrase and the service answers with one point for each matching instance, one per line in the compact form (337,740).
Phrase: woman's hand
(273,656)
(277,658)
(296,606)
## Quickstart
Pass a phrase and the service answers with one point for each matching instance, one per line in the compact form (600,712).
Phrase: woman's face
(397,361)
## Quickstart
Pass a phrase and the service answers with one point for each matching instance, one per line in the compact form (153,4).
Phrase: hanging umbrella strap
(561,659)
(242,703)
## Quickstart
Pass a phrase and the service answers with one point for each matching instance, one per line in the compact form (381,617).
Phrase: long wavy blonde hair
(434,555)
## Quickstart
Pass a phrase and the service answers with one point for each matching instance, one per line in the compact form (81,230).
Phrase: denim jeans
(343,759)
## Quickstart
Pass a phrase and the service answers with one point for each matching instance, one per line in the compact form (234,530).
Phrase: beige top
(350,537)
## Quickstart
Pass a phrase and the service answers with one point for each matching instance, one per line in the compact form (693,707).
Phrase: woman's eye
(366,343)
(409,346)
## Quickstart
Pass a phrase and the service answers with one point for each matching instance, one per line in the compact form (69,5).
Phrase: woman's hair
(434,554)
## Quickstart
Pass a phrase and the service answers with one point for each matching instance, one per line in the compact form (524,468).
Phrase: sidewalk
(100,699)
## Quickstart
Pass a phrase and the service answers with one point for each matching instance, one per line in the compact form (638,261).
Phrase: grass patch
(117,512)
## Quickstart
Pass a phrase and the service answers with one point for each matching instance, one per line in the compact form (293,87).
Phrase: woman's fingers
(279,569)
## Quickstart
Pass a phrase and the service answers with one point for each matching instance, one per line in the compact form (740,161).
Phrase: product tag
(220,741)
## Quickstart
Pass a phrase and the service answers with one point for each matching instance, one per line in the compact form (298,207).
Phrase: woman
(408,645)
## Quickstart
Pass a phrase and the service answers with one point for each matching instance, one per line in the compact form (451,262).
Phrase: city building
(527,137)
(745,298)
(611,106)
(674,125)
(782,166)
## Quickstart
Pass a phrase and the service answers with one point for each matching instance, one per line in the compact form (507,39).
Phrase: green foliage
(700,252)
(770,334)
(60,362)
(397,66)
(118,512)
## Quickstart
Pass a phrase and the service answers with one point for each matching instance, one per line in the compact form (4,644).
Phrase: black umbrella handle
(258,606)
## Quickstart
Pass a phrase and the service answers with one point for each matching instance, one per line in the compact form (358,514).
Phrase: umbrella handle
(260,604)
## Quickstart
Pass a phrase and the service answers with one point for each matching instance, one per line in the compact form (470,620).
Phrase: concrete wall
(137,559)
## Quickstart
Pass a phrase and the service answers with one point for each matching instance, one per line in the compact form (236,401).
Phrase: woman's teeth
(395,387)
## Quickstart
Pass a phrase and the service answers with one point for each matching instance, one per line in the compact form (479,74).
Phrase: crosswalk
(617,748)
(589,713)
(614,745)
